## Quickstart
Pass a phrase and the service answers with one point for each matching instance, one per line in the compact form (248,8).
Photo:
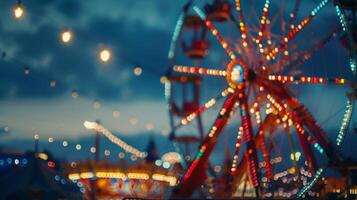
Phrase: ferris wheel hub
(237,73)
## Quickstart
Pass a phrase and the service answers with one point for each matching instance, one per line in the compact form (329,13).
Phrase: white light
(78,147)
(166,165)
(158,162)
(66,36)
(19,11)
(90,125)
(105,55)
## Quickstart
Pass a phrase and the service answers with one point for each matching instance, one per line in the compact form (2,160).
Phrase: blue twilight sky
(138,33)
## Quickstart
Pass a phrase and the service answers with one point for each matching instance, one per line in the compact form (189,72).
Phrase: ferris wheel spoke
(199,70)
(195,174)
(248,137)
(309,80)
(286,117)
(292,33)
(190,117)
(306,55)
(242,26)
(236,153)
(261,130)
(215,32)
(263,21)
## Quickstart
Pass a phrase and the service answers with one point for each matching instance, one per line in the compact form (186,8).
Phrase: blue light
(57,178)
(2,162)
(9,160)
(237,74)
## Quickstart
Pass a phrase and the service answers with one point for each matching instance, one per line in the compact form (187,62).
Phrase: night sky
(138,34)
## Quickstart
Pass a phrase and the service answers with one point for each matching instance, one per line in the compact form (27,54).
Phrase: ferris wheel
(267,74)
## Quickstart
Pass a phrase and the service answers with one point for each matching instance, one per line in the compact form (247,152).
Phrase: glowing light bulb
(105,55)
(19,11)
(66,36)
(138,71)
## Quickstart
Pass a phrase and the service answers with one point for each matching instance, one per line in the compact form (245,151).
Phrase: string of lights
(99,128)
(199,70)
(242,24)
(263,22)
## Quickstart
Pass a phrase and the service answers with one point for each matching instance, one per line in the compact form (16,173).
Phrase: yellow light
(105,55)
(143,176)
(75,176)
(149,126)
(19,11)
(138,71)
(42,156)
(66,36)
(163,79)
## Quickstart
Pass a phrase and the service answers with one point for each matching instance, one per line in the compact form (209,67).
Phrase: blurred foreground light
(53,83)
(149,126)
(93,149)
(90,125)
(297,156)
(66,36)
(133,120)
(105,55)
(166,165)
(163,79)
(171,157)
(116,114)
(65,143)
(96,104)
(75,94)
(42,156)
(27,71)
(19,10)
(121,155)
(138,71)
(106,152)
